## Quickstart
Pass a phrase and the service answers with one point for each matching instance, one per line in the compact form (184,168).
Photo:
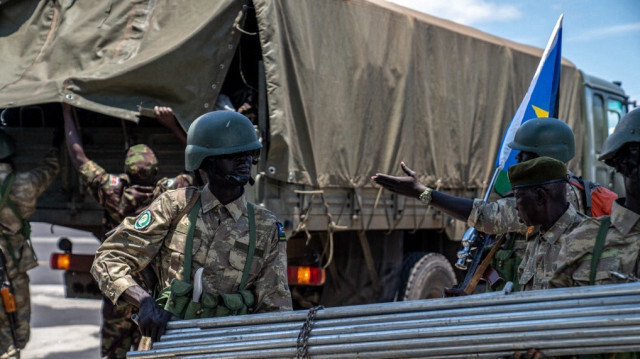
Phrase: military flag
(541,100)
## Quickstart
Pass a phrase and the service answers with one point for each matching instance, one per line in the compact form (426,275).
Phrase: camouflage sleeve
(496,217)
(42,176)
(102,185)
(131,247)
(272,288)
(167,184)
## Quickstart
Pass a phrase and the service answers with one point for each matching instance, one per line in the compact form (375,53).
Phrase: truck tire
(425,275)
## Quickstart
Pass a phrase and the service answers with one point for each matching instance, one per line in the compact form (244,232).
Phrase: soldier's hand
(165,116)
(406,185)
(152,319)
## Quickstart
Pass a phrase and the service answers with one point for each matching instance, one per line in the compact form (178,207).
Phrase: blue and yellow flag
(541,100)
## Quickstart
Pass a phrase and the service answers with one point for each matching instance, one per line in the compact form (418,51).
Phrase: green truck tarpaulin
(354,87)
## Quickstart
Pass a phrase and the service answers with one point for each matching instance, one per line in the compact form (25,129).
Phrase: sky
(601,37)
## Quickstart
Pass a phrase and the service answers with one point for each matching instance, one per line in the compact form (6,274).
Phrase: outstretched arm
(74,144)
(166,117)
(457,207)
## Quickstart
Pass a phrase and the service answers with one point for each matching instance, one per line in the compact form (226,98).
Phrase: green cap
(141,163)
(536,172)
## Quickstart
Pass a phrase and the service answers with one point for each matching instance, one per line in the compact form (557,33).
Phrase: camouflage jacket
(540,258)
(220,245)
(26,189)
(119,197)
(501,216)
(620,252)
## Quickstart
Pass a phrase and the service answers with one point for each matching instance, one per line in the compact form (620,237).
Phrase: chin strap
(239,180)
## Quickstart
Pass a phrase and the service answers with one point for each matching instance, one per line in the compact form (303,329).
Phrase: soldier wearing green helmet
(617,260)
(536,137)
(215,254)
(19,192)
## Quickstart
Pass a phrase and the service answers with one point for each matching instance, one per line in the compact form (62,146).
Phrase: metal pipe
(556,314)
(623,344)
(186,333)
(195,332)
(496,298)
(601,326)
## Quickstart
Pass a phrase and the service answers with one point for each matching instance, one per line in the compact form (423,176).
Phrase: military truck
(340,90)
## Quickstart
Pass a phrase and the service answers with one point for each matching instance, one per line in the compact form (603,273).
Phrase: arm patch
(281,235)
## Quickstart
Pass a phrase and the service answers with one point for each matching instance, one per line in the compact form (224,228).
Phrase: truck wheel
(425,275)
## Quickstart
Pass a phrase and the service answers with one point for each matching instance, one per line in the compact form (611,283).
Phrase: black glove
(152,319)
(58,137)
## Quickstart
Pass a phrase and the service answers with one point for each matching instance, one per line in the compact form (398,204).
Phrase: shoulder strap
(587,188)
(194,207)
(597,248)
(588,191)
(186,209)
(252,244)
(6,186)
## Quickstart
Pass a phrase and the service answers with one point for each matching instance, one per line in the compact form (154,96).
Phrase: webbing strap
(193,218)
(6,186)
(252,244)
(597,248)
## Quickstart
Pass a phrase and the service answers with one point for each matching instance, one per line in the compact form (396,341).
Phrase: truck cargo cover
(354,87)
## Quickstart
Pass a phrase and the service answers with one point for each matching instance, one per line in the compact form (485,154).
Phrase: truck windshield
(615,111)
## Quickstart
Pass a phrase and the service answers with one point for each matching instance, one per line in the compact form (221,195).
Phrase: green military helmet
(141,163)
(219,133)
(627,130)
(545,137)
(7,145)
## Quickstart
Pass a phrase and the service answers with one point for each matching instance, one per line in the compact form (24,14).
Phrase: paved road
(61,328)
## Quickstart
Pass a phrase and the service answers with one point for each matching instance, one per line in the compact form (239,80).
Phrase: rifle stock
(8,299)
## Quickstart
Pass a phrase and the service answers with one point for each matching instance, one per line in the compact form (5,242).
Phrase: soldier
(539,186)
(536,137)
(237,250)
(19,192)
(122,195)
(615,250)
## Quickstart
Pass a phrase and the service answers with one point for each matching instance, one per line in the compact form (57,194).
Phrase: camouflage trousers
(119,334)
(23,316)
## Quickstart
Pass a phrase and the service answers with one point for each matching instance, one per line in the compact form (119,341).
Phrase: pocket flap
(248,297)
(180,288)
(233,301)
(209,300)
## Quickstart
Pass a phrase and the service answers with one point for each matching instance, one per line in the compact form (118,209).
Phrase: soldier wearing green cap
(605,249)
(214,253)
(19,192)
(122,195)
(539,186)
(536,137)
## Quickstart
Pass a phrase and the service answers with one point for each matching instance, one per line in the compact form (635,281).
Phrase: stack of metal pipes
(564,321)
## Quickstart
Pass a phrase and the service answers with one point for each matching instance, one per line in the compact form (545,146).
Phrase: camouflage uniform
(220,246)
(16,248)
(501,217)
(620,252)
(539,261)
(122,198)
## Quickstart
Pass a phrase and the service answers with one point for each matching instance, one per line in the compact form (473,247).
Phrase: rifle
(478,267)
(8,298)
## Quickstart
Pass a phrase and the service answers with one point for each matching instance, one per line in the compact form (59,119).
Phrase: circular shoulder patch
(144,220)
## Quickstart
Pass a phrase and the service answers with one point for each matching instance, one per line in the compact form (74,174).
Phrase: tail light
(305,275)
(72,262)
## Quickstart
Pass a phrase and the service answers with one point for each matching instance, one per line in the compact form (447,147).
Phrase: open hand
(406,185)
